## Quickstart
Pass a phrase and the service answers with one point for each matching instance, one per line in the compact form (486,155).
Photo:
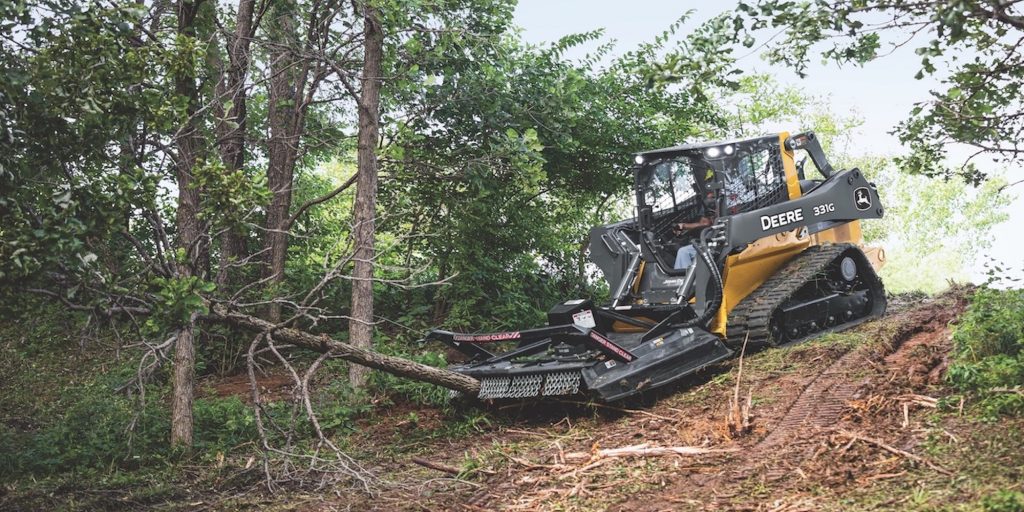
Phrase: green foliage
(61,412)
(91,428)
(337,408)
(229,197)
(992,326)
(222,425)
(933,228)
(519,154)
(178,299)
(410,390)
(989,351)
(704,58)
(980,102)
(92,433)
(1003,501)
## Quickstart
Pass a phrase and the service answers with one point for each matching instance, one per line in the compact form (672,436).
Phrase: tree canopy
(972,47)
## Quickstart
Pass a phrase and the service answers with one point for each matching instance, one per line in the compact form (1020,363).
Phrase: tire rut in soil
(823,400)
(820,403)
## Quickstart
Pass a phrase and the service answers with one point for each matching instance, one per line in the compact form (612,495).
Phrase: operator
(686,253)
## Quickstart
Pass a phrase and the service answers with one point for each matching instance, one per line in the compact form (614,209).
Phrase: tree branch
(313,202)
(220,313)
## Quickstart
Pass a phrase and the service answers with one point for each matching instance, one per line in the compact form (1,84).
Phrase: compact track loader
(776,259)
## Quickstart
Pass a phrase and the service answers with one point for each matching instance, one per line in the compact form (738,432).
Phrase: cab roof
(703,145)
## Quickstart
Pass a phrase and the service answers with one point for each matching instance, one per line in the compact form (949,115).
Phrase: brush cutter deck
(571,358)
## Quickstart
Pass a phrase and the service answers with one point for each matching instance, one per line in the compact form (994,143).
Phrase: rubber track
(753,314)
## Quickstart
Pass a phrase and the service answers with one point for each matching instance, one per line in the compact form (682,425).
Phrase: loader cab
(719,179)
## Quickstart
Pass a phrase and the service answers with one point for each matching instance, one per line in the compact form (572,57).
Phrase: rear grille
(757,181)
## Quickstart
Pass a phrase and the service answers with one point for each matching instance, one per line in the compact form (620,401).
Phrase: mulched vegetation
(872,437)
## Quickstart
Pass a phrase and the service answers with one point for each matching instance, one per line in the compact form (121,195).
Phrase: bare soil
(850,421)
(837,419)
(274,384)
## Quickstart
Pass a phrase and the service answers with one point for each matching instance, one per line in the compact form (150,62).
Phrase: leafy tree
(503,161)
(72,153)
(978,41)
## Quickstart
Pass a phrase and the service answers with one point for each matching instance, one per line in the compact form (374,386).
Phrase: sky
(881,92)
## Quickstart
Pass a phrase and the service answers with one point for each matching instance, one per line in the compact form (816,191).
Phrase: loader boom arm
(845,196)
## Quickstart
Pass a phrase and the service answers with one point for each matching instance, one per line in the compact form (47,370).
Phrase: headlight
(729,149)
(713,152)
(639,159)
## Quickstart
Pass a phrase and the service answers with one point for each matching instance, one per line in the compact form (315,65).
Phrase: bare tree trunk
(279,172)
(361,323)
(188,141)
(232,124)
(288,75)
(184,386)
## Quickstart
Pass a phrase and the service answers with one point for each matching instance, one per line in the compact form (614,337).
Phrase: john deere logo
(862,198)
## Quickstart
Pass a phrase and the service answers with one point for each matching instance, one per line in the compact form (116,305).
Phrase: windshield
(753,180)
(668,183)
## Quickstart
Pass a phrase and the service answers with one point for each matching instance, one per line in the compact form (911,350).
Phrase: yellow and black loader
(775,258)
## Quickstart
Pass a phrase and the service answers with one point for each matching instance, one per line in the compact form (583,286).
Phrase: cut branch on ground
(220,313)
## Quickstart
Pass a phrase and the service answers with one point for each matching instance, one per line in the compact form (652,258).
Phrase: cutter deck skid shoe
(765,256)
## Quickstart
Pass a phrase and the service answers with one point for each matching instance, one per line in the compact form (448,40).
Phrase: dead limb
(921,400)
(897,451)
(322,343)
(285,463)
(738,418)
(1012,391)
(444,468)
(642,450)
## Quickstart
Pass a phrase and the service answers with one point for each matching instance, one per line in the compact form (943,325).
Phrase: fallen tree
(325,344)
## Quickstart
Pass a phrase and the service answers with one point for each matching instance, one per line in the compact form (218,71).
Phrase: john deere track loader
(776,258)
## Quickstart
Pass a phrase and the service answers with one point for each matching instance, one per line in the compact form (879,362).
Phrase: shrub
(414,391)
(988,355)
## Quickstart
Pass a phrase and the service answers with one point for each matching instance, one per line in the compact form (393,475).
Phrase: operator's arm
(703,222)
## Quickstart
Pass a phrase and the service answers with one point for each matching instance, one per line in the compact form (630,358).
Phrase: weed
(1003,501)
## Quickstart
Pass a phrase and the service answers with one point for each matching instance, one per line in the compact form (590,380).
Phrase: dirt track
(808,400)
(797,445)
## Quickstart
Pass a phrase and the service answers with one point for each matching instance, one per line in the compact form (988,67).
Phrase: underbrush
(419,393)
(988,358)
(92,429)
(1004,501)
(63,417)
(61,411)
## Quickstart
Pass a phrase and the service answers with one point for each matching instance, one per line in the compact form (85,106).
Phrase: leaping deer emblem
(862,199)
